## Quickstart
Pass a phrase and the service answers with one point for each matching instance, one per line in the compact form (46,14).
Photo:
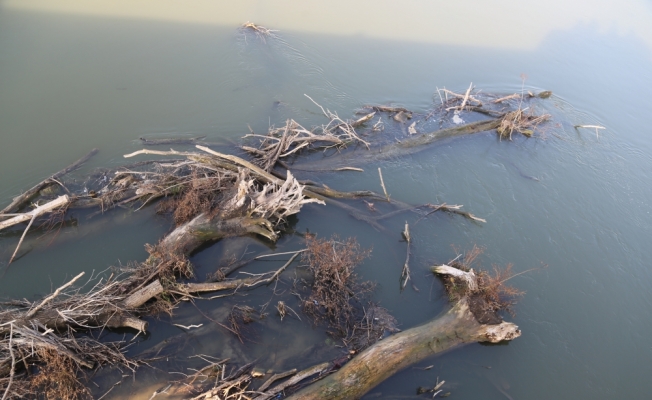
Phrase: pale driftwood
(159,153)
(155,142)
(596,127)
(142,295)
(390,355)
(45,208)
(362,120)
(23,198)
(382,183)
(22,237)
(468,276)
(239,161)
(405,273)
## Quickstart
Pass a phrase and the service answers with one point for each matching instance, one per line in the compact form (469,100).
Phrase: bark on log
(408,146)
(189,236)
(456,327)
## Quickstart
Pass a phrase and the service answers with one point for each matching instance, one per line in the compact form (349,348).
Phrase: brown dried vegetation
(336,292)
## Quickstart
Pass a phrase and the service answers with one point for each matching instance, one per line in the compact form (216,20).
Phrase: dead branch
(25,197)
(276,377)
(382,183)
(405,273)
(156,142)
(40,210)
(34,310)
(22,237)
(247,283)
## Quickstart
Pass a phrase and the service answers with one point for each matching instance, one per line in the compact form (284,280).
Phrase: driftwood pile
(212,195)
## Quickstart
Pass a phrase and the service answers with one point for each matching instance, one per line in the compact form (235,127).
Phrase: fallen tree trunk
(456,327)
(204,228)
(405,147)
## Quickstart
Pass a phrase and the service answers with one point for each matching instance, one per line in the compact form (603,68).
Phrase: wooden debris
(382,183)
(405,273)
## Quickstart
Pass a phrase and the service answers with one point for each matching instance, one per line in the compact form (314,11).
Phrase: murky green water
(103,74)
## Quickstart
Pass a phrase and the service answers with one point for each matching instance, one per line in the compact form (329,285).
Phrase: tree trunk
(456,327)
(204,228)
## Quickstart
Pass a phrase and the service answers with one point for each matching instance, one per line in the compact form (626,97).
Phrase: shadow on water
(584,318)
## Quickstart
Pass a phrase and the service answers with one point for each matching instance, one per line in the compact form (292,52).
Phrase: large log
(205,228)
(454,328)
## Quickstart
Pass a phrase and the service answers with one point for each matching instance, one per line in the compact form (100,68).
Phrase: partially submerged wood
(215,195)
(60,201)
(19,201)
(456,327)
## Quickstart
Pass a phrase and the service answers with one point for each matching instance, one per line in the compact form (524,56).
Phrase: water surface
(77,76)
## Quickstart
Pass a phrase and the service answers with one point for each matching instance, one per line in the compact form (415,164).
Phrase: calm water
(103,74)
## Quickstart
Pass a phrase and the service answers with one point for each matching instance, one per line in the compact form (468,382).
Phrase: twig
(317,104)
(596,127)
(33,311)
(349,169)
(13,361)
(382,183)
(405,274)
(189,326)
(466,96)
(511,96)
(159,153)
(21,239)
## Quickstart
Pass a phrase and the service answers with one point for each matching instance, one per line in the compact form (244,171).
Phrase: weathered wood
(201,229)
(141,296)
(18,201)
(155,142)
(47,207)
(410,145)
(455,327)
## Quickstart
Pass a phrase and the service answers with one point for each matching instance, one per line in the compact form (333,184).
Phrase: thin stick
(21,239)
(596,127)
(466,96)
(520,273)
(405,274)
(13,362)
(317,104)
(382,183)
(349,169)
(159,153)
(33,311)
(18,201)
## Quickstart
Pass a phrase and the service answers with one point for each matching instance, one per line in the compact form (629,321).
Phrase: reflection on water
(76,76)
